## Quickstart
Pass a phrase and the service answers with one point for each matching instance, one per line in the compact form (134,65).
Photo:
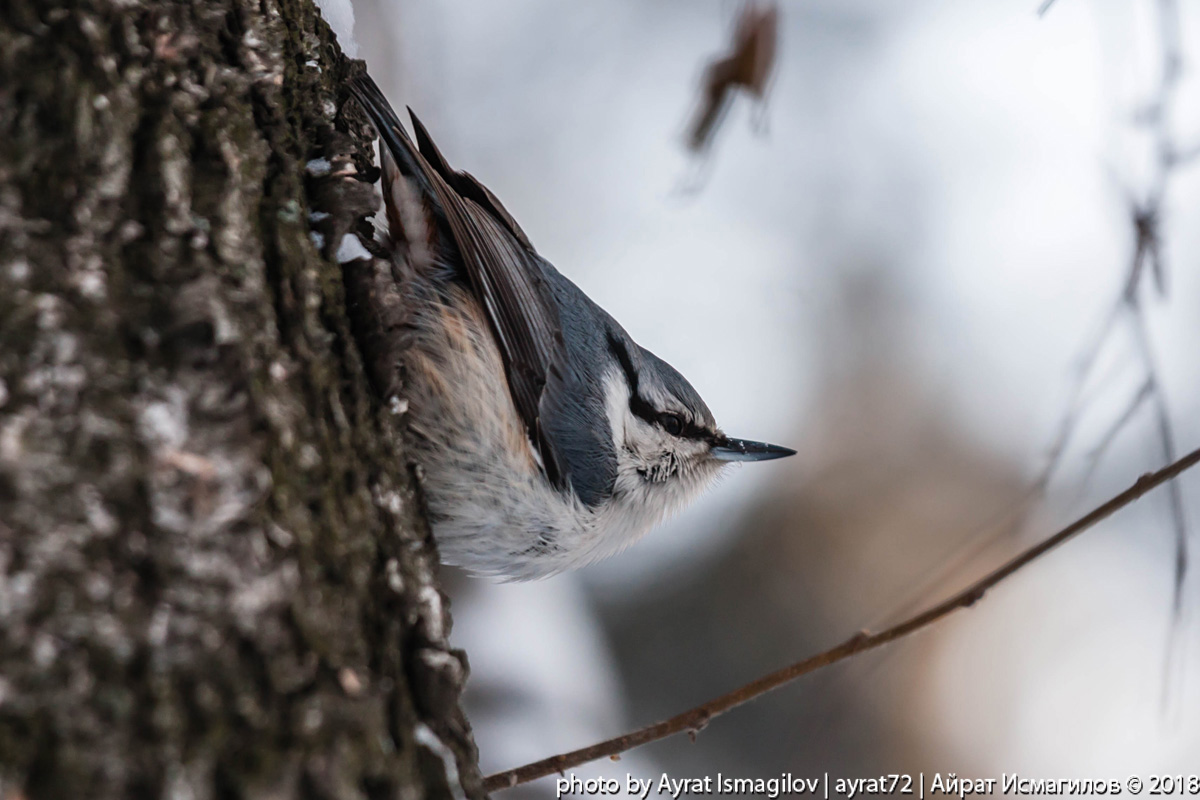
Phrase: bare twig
(1166,439)
(697,718)
(1013,520)
(1172,65)
(1001,528)
(1125,312)
(1143,394)
(1044,7)
(1084,367)
(1146,212)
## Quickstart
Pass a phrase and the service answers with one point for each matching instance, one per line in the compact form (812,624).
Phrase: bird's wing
(500,265)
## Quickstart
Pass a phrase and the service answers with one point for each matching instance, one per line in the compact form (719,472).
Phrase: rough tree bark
(214,577)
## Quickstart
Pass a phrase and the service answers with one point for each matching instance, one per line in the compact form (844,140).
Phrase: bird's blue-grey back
(557,345)
(574,412)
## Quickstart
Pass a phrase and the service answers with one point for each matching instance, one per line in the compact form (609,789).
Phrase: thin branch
(1166,439)
(1146,216)
(1001,528)
(1172,67)
(1114,430)
(697,718)
(1044,7)
(1084,367)
(1005,525)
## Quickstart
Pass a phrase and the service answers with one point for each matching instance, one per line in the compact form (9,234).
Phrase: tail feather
(424,162)
(392,132)
(465,183)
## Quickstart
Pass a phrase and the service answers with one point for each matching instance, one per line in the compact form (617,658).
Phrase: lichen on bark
(215,580)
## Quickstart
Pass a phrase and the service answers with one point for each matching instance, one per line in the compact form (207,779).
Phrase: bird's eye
(671,423)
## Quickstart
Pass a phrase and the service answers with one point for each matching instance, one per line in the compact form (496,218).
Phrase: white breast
(492,510)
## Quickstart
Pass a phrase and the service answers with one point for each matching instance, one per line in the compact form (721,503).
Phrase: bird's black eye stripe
(677,425)
(673,424)
(636,404)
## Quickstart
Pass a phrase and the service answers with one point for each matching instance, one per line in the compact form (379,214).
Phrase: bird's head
(668,446)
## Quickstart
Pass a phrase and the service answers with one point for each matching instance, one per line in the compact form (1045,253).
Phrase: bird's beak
(726,449)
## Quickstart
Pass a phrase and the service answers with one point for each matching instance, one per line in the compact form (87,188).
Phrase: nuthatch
(547,437)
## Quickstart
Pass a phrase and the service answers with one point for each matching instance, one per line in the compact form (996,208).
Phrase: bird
(544,436)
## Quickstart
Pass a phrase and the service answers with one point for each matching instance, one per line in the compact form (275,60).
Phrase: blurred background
(905,264)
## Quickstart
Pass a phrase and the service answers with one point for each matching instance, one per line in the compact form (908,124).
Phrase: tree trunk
(215,580)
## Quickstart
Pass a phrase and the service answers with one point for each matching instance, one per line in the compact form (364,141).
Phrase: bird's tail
(413,206)
(424,164)
(391,132)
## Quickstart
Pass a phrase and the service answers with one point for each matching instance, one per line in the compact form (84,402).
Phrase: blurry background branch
(1146,269)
